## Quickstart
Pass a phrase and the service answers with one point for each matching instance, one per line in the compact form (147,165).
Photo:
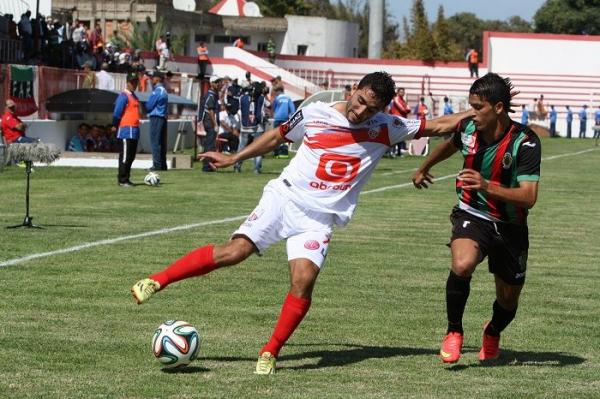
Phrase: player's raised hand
(217,159)
(422,179)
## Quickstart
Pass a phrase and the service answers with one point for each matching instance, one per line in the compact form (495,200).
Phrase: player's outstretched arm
(445,124)
(265,143)
(422,178)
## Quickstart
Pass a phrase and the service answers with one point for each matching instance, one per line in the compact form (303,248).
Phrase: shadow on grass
(526,358)
(351,354)
(186,370)
(336,358)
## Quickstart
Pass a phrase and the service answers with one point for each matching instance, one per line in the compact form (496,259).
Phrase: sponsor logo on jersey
(507,160)
(468,141)
(529,144)
(335,187)
(398,122)
(295,119)
(312,245)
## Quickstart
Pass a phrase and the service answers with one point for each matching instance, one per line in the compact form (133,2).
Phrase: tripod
(27,221)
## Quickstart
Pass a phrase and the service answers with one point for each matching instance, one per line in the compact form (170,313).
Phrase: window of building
(230,39)
(302,49)
(261,46)
(201,38)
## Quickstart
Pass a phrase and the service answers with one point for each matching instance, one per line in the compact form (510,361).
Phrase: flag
(21,89)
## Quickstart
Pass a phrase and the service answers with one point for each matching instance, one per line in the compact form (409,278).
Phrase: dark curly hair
(382,85)
(494,89)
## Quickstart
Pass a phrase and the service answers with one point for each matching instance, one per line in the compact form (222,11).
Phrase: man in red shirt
(13,129)
(398,105)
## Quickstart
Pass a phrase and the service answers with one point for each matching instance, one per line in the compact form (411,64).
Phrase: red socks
(292,312)
(198,262)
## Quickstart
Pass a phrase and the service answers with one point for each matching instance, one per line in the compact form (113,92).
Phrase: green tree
(568,16)
(443,44)
(421,43)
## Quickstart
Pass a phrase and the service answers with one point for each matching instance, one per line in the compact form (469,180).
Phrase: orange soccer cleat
(490,346)
(451,347)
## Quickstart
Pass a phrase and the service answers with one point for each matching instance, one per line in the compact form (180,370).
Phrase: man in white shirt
(229,129)
(103,79)
(341,146)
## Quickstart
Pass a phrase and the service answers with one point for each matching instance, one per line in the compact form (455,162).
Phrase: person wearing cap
(157,106)
(13,129)
(208,116)
(126,122)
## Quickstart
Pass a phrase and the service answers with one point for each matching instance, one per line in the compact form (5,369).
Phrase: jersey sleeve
(292,130)
(529,159)
(401,129)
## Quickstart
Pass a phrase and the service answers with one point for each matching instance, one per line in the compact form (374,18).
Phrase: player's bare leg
(196,263)
(303,275)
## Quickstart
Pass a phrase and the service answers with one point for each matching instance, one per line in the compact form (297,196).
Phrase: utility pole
(375,28)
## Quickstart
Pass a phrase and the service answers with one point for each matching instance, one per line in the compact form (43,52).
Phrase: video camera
(255,89)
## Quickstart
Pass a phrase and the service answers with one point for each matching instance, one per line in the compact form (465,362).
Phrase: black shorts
(505,244)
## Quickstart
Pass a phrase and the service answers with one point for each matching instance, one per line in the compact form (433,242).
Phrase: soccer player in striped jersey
(496,187)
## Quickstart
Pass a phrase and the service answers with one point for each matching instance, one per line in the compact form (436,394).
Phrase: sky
(484,9)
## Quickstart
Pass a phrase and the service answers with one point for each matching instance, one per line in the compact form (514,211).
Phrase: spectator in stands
(447,106)
(103,79)
(421,110)
(89,80)
(79,33)
(26,34)
(553,117)
(251,111)
(472,59)
(239,43)
(12,27)
(283,108)
(208,116)
(569,121)
(13,129)
(229,129)
(78,141)
(96,38)
(533,111)
(164,56)
(202,51)
(597,125)
(271,49)
(524,115)
(157,107)
(583,121)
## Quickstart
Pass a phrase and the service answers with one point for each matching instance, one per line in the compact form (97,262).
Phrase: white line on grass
(80,247)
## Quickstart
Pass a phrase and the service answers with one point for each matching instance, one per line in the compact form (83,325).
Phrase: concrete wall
(324,37)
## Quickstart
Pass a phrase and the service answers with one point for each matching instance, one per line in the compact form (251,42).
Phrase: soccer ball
(176,343)
(152,179)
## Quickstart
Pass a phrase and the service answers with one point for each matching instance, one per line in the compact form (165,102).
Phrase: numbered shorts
(505,244)
(277,218)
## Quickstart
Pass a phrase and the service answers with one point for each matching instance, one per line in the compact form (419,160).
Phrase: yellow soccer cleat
(144,289)
(265,364)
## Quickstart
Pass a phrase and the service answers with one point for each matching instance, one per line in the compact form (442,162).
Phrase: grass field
(69,328)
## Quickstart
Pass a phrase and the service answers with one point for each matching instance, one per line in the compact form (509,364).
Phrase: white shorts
(277,218)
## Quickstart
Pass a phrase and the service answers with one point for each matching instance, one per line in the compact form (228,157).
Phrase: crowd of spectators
(93,138)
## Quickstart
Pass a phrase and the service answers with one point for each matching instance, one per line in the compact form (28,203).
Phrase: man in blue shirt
(283,108)
(569,121)
(157,106)
(447,107)
(77,142)
(583,121)
(553,117)
(524,115)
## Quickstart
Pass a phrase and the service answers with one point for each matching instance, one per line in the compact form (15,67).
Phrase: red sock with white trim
(196,263)
(292,312)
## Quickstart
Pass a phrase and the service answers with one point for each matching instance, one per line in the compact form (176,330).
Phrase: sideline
(80,247)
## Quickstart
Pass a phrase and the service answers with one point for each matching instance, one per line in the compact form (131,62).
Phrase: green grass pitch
(70,329)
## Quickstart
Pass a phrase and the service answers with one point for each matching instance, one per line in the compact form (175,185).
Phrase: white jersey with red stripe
(336,158)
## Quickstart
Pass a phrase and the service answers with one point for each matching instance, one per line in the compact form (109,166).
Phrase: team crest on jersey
(507,160)
(468,140)
(373,132)
(398,122)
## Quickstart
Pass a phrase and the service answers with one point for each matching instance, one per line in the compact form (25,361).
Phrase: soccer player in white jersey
(341,145)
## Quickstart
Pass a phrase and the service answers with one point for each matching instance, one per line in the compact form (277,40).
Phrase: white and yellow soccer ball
(176,343)
(152,179)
